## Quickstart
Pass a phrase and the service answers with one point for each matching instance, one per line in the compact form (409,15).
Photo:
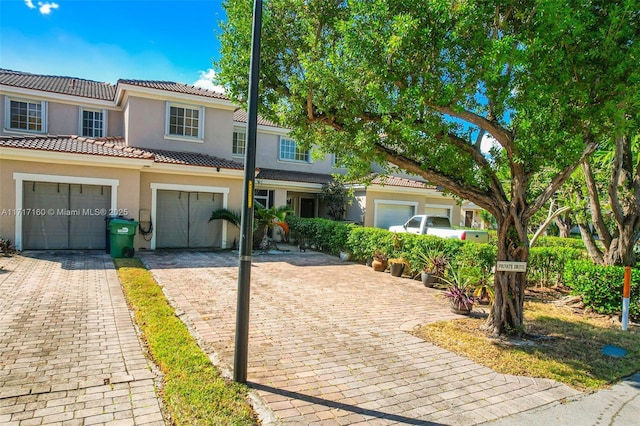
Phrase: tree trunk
(620,251)
(506,316)
(590,244)
(564,225)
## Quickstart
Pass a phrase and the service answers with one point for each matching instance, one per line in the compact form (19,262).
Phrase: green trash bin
(121,233)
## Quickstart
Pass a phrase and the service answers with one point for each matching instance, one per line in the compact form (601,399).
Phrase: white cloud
(206,81)
(487,143)
(45,8)
(29,4)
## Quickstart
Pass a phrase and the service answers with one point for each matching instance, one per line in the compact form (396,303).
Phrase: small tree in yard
(420,86)
(335,195)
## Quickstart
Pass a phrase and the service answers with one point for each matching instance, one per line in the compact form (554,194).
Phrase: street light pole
(246,224)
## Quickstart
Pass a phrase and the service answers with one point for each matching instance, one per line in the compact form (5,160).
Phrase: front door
(307,207)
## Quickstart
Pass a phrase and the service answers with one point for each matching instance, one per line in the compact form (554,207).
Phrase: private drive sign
(505,266)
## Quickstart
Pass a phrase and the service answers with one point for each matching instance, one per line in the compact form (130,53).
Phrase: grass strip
(194,392)
(568,349)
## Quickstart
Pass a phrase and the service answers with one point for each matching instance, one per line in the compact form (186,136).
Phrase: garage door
(438,211)
(392,214)
(64,216)
(183,219)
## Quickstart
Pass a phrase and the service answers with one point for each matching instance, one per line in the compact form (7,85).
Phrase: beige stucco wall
(145,124)
(128,187)
(267,153)
(63,118)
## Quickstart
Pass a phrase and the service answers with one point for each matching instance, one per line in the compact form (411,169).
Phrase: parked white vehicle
(440,226)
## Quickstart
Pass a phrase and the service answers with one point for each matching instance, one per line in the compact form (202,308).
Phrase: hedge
(601,286)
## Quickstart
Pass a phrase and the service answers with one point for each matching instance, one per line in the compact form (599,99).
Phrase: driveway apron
(330,342)
(69,353)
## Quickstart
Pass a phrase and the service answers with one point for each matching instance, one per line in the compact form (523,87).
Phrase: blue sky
(105,40)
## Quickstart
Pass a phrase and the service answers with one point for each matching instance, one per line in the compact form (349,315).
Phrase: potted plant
(459,292)
(397,266)
(484,291)
(379,261)
(434,264)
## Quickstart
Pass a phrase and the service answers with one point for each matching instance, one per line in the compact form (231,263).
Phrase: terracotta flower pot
(379,265)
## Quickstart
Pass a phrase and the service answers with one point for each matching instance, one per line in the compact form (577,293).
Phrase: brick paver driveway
(328,342)
(69,353)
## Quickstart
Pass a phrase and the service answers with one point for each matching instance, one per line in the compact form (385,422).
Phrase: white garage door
(183,219)
(387,215)
(64,216)
(438,211)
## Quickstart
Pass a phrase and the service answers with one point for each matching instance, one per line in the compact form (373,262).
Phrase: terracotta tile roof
(110,147)
(241,116)
(192,159)
(56,84)
(114,147)
(398,181)
(174,87)
(289,176)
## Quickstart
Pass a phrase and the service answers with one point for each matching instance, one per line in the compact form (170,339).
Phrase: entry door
(307,207)
(64,216)
(183,219)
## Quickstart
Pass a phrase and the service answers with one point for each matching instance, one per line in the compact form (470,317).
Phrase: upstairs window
(239,141)
(184,121)
(337,161)
(289,151)
(93,123)
(26,115)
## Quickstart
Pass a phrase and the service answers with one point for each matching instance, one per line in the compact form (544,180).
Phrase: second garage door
(392,214)
(183,219)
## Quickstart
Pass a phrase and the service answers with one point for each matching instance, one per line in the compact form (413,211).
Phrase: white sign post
(506,266)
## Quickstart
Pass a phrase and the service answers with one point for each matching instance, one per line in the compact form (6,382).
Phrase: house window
(26,115)
(289,151)
(337,160)
(239,141)
(184,121)
(264,197)
(92,123)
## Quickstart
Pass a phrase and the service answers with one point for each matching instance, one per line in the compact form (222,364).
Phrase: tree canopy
(418,84)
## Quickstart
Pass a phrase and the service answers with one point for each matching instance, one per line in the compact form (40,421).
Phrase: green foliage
(546,265)
(601,286)
(6,247)
(231,216)
(323,234)
(335,195)
(547,241)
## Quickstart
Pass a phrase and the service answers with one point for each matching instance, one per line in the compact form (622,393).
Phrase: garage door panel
(392,214)
(203,233)
(438,211)
(48,231)
(172,219)
(87,222)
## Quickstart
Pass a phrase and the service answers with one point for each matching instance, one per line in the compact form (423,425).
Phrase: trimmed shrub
(547,241)
(546,264)
(601,286)
(324,234)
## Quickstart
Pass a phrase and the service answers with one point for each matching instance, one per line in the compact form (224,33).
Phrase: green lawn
(194,392)
(567,348)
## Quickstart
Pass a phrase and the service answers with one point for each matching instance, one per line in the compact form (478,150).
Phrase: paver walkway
(69,353)
(329,343)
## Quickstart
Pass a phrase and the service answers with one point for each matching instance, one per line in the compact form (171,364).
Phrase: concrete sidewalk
(330,344)
(69,353)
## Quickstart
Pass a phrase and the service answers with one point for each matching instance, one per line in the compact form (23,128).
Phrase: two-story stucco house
(73,151)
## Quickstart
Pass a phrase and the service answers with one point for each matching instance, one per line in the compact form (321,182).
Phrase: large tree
(418,84)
